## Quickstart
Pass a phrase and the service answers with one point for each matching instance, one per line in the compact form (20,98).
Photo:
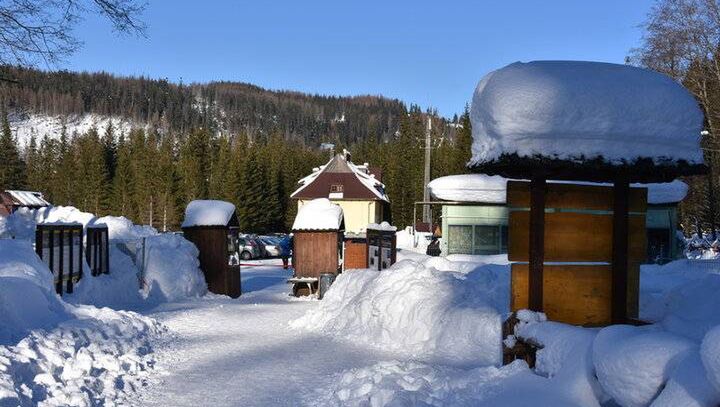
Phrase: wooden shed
(318,233)
(12,200)
(213,227)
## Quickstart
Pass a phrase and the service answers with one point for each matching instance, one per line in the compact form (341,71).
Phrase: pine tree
(35,168)
(12,169)
(122,181)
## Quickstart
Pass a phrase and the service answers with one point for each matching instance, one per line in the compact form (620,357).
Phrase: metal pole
(427,215)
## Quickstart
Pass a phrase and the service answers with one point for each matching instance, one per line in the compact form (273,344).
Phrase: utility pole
(427,214)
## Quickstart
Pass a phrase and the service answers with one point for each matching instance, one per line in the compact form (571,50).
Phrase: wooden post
(538,187)
(621,193)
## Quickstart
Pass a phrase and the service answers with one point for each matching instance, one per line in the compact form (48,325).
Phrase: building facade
(356,188)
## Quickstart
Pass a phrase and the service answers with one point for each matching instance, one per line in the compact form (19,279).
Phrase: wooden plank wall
(355,254)
(315,253)
(578,229)
(221,278)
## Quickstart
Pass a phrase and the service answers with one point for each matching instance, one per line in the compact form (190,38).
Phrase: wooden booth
(576,248)
(356,254)
(318,233)
(213,227)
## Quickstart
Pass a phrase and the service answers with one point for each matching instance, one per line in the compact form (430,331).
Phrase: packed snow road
(225,352)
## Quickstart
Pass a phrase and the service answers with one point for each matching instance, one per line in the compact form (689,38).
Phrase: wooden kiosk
(213,227)
(317,244)
(576,248)
(381,246)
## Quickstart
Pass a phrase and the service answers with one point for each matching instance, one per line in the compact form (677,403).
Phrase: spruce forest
(226,141)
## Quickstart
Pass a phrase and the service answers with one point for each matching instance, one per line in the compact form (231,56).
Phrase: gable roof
(357,180)
(28,199)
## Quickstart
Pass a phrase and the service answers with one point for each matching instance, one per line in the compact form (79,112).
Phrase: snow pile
(56,354)
(469,188)
(427,309)
(97,358)
(172,271)
(319,214)
(208,213)
(384,226)
(574,109)
(27,295)
(171,263)
(665,192)
(405,240)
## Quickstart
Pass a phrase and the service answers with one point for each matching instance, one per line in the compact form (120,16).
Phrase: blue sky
(428,53)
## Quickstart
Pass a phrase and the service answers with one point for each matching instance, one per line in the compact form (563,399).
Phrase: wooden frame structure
(214,244)
(98,249)
(60,247)
(538,169)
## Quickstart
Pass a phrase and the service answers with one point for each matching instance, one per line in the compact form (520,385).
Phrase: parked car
(272,245)
(248,248)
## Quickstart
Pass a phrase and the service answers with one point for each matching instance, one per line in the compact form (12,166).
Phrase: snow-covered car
(272,246)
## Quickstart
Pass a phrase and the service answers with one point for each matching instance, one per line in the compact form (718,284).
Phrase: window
(477,239)
(460,238)
(487,239)
(335,188)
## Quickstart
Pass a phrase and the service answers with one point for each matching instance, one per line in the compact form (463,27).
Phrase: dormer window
(336,188)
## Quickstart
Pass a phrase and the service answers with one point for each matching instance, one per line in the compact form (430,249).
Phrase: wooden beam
(538,187)
(621,192)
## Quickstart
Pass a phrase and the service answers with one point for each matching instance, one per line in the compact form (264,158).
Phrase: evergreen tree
(12,167)
(122,182)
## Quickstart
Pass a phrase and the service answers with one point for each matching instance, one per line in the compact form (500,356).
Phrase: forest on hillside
(221,107)
(149,176)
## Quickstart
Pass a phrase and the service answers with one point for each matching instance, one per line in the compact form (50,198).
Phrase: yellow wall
(357,214)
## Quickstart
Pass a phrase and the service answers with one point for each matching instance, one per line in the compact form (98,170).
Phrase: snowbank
(172,271)
(318,214)
(98,357)
(406,241)
(470,188)
(384,226)
(426,309)
(208,213)
(574,109)
(27,295)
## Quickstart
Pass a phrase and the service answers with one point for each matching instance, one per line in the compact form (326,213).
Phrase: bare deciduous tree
(41,31)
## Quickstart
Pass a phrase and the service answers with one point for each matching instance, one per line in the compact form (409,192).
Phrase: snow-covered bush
(427,309)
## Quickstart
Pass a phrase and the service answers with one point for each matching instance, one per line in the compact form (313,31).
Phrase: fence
(97,252)
(60,247)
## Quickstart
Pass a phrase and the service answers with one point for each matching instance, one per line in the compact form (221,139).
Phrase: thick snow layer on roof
(28,198)
(469,188)
(361,171)
(574,109)
(382,226)
(318,214)
(492,189)
(208,213)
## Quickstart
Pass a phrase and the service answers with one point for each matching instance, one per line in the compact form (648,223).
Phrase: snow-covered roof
(208,213)
(28,198)
(469,188)
(492,189)
(339,164)
(571,110)
(319,214)
(384,226)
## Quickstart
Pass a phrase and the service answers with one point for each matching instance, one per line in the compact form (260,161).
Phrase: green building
(474,217)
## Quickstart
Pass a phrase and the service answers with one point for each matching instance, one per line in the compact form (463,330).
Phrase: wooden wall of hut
(212,243)
(315,252)
(577,277)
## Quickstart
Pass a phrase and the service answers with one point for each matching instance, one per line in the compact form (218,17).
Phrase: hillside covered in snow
(40,101)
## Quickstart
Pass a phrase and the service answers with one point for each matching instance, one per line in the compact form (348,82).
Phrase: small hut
(213,227)
(581,121)
(317,243)
(12,200)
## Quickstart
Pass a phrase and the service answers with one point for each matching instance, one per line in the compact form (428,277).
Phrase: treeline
(220,107)
(150,177)
(682,39)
